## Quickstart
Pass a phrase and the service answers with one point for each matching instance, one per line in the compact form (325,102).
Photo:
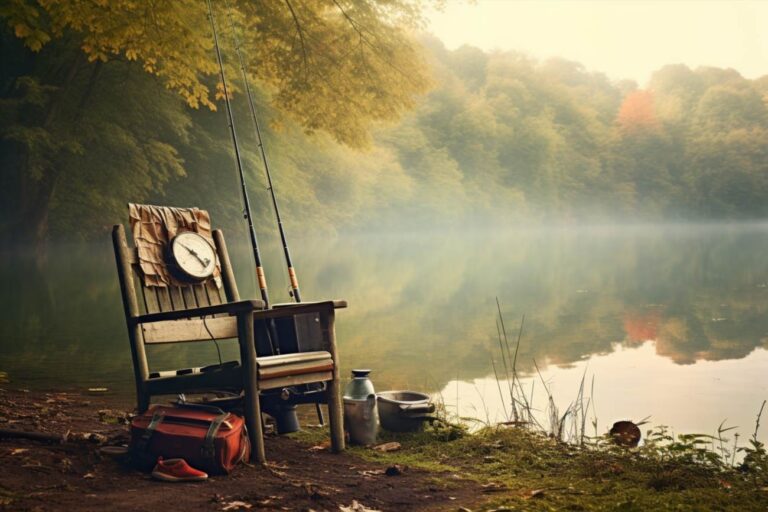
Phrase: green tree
(328,65)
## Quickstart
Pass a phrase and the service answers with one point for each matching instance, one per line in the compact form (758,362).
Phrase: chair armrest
(337,304)
(231,308)
(288,310)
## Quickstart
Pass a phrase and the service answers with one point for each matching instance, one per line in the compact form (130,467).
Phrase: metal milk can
(361,418)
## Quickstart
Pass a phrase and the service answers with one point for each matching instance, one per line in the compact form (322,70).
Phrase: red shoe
(177,470)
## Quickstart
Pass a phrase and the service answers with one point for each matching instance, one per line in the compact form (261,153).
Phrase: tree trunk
(35,194)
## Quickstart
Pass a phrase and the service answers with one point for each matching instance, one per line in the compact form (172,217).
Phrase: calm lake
(669,322)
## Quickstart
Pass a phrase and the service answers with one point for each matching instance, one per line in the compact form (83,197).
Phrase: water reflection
(633,383)
(422,306)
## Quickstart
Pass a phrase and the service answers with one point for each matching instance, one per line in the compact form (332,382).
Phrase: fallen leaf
(356,507)
(388,447)
(236,505)
(535,493)
(493,487)
(371,472)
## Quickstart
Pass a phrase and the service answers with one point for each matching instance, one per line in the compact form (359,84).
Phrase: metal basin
(404,411)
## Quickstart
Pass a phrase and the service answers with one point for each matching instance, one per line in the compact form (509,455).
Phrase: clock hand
(204,261)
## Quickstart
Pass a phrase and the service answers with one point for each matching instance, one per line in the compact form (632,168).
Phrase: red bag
(206,437)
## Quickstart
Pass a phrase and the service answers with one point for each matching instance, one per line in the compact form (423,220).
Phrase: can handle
(370,402)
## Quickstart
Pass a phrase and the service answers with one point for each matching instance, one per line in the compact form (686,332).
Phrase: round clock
(192,256)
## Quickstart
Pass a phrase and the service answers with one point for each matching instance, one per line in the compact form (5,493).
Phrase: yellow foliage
(332,65)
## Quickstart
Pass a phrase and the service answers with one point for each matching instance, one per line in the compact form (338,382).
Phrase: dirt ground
(74,475)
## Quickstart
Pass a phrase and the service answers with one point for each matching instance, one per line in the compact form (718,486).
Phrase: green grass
(529,471)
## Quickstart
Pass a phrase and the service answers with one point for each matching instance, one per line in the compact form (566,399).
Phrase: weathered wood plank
(172,331)
(176,299)
(213,291)
(201,295)
(295,380)
(164,298)
(150,299)
(189,297)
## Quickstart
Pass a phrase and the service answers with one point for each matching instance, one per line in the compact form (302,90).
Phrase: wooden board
(171,331)
(294,380)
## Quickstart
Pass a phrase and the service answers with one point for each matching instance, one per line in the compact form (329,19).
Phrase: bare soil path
(75,476)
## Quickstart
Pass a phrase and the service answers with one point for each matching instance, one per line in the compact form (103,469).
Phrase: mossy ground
(521,470)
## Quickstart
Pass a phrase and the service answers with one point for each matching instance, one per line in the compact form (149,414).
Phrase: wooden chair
(196,312)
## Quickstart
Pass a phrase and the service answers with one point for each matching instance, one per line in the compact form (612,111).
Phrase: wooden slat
(294,380)
(200,295)
(287,359)
(296,369)
(176,298)
(189,297)
(150,299)
(138,287)
(214,292)
(163,298)
(172,331)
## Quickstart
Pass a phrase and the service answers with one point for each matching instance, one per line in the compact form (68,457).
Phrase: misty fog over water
(670,320)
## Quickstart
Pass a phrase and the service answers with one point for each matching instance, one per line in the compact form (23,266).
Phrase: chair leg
(255,428)
(142,402)
(335,411)
(251,385)
(335,416)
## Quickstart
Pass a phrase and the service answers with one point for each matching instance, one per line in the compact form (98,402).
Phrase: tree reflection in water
(422,305)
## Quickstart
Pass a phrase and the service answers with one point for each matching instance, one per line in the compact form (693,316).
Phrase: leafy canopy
(331,65)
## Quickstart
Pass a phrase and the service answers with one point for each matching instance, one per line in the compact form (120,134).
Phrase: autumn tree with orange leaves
(637,113)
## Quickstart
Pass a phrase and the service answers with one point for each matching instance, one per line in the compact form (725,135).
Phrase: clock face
(193,255)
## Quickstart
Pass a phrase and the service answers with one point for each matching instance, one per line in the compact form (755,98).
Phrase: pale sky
(624,39)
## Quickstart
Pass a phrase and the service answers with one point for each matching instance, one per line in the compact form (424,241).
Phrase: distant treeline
(570,144)
(500,137)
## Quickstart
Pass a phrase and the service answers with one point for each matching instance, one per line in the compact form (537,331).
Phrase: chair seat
(283,365)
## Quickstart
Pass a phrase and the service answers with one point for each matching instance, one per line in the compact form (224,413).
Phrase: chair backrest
(156,299)
(139,299)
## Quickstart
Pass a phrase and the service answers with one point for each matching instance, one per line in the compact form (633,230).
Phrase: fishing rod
(247,211)
(294,292)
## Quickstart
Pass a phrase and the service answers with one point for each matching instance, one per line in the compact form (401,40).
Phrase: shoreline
(442,468)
